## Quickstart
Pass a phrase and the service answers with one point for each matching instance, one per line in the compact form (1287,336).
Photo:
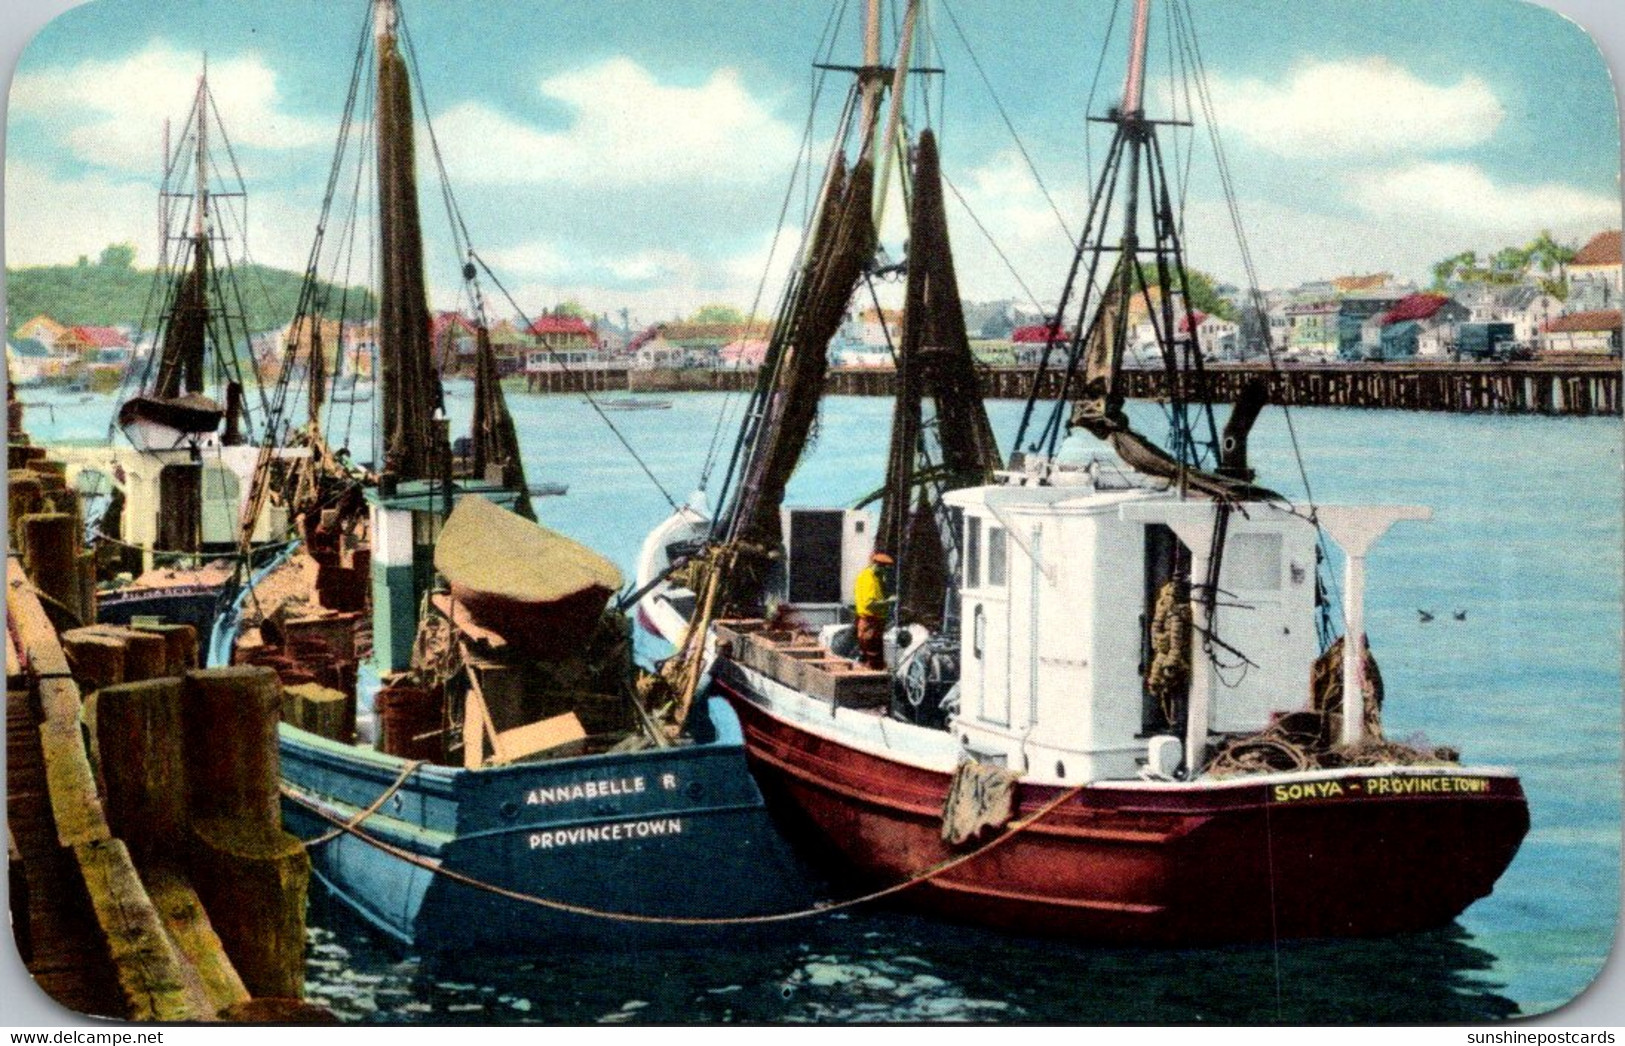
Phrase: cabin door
(180,504)
(221,496)
(1253,624)
(993,630)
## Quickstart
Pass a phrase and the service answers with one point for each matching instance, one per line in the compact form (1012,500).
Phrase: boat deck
(800,661)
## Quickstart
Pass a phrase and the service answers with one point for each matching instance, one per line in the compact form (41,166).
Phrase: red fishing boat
(1117,702)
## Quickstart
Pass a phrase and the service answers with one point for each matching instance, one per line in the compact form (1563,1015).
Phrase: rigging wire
(988,235)
(1094,86)
(1004,115)
(496,282)
(1185,18)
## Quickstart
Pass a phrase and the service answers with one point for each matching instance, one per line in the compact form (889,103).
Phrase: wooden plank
(204,962)
(15,675)
(148,965)
(536,737)
(59,700)
(75,805)
(41,651)
(464,623)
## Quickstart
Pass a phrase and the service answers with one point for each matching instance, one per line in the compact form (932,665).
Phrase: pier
(1585,387)
(150,876)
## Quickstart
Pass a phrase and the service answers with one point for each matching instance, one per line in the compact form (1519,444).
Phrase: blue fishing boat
(453,857)
(467,748)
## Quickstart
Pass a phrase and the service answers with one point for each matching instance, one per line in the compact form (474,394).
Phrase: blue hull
(195,605)
(663,832)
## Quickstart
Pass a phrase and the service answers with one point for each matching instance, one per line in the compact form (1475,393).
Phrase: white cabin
(224,480)
(1058,590)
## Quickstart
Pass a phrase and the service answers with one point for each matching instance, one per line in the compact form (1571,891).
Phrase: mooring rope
(355,822)
(353,827)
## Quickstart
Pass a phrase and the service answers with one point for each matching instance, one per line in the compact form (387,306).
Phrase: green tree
(572,308)
(1458,268)
(118,256)
(1203,297)
(110,294)
(1552,259)
(717,313)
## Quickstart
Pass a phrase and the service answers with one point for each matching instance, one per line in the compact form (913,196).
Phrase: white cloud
(1356,108)
(1460,196)
(654,283)
(625,129)
(1006,199)
(112,111)
(50,222)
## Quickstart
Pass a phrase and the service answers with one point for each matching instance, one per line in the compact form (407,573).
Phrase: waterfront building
(1526,307)
(1312,327)
(563,333)
(42,329)
(1593,333)
(1359,306)
(1421,325)
(1596,275)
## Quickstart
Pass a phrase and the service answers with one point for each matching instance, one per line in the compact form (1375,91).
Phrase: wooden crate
(844,682)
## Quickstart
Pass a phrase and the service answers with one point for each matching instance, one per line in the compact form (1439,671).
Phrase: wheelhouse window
(973,552)
(995,555)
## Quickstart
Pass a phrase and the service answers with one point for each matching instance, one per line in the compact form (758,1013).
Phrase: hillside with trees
(111,291)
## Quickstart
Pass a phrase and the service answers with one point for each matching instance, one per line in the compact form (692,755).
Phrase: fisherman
(873,606)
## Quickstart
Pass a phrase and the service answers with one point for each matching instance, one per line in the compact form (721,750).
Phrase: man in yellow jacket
(873,607)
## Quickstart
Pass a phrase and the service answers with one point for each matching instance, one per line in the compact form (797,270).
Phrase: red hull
(1168,866)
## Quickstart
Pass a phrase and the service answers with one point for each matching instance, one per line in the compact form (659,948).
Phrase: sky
(636,153)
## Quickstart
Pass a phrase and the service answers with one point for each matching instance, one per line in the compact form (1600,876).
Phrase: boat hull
(679,832)
(195,605)
(1344,853)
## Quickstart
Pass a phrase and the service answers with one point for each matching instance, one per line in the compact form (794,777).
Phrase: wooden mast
(410,387)
(181,366)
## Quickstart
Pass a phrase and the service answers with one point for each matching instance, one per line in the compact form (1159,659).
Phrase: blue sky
(633,153)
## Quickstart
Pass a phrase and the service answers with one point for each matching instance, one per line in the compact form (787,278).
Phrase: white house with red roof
(1597,274)
(565,343)
(1595,332)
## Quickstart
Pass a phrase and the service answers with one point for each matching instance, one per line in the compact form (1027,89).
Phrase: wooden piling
(95,658)
(138,739)
(146,655)
(251,875)
(49,557)
(180,646)
(24,496)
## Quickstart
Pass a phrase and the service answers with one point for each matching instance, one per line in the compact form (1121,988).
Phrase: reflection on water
(889,965)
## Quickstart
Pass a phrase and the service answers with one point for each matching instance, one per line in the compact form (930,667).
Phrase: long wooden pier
(1586,386)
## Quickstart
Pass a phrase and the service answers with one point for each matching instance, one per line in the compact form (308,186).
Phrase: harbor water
(1525,545)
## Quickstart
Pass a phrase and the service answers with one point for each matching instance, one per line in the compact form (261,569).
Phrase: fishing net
(933,360)
(410,386)
(842,246)
(181,365)
(496,443)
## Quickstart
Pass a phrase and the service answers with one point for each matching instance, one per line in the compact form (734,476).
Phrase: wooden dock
(124,830)
(1581,386)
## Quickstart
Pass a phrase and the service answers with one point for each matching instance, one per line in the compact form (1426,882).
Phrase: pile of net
(1309,740)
